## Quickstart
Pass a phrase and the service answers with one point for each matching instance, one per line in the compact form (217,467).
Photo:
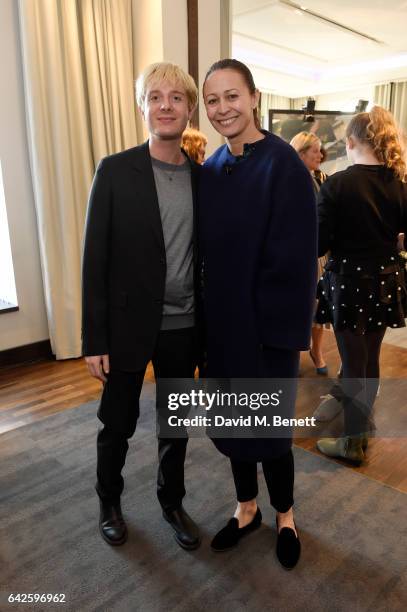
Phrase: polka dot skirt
(362,296)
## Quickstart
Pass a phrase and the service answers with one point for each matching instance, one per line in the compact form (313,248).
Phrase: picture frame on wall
(329,126)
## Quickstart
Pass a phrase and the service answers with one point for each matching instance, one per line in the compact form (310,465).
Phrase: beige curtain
(269,101)
(399,104)
(78,73)
(393,97)
(298,103)
(382,95)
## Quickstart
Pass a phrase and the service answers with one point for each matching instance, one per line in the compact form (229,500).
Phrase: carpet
(353,531)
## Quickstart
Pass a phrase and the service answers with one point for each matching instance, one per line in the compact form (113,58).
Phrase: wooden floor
(33,391)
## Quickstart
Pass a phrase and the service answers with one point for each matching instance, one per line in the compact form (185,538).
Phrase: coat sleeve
(326,218)
(299,202)
(289,274)
(95,261)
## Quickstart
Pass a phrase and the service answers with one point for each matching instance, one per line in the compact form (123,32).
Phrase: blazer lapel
(144,169)
(195,169)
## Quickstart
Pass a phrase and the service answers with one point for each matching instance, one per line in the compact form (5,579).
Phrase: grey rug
(353,531)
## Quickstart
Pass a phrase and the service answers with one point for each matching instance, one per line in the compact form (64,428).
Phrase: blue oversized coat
(258,238)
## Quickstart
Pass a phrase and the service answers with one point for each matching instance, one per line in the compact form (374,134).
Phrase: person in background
(319,175)
(308,147)
(194,143)
(362,210)
(257,220)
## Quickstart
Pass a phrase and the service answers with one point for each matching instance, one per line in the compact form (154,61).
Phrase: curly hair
(379,130)
(192,141)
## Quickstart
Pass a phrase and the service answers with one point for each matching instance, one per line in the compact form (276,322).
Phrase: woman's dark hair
(243,70)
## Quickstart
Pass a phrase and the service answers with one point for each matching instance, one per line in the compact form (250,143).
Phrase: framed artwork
(329,126)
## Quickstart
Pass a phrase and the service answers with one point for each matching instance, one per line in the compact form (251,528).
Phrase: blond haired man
(139,290)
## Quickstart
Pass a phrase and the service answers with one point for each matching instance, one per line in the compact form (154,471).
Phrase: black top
(361,212)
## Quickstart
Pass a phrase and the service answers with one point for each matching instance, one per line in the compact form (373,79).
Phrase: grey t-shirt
(174,191)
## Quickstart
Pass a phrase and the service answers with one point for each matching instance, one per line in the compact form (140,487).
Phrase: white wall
(8,292)
(160,34)
(29,324)
(345,101)
(209,44)
(175,32)
(148,37)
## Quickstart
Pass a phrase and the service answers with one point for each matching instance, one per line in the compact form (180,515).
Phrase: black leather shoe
(186,532)
(288,547)
(111,524)
(229,536)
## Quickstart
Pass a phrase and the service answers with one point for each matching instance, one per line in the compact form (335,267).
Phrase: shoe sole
(113,542)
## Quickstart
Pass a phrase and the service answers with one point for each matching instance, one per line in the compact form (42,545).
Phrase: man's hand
(98,366)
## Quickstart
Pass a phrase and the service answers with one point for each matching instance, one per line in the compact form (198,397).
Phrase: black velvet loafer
(288,547)
(186,532)
(229,536)
(111,524)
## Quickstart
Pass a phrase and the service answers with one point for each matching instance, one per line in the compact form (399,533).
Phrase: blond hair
(378,129)
(192,141)
(304,141)
(164,71)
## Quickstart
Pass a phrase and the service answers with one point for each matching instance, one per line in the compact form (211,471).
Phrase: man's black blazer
(124,261)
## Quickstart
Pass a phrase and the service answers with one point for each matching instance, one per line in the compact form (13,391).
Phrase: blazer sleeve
(95,261)
(326,218)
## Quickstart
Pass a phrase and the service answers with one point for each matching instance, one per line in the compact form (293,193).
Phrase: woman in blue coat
(257,225)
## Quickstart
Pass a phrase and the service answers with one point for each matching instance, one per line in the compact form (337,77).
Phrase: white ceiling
(294,53)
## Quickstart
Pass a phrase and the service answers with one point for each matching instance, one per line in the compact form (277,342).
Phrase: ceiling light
(385,63)
(261,60)
(290,4)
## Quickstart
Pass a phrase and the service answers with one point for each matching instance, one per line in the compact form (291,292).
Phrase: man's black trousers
(174,357)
